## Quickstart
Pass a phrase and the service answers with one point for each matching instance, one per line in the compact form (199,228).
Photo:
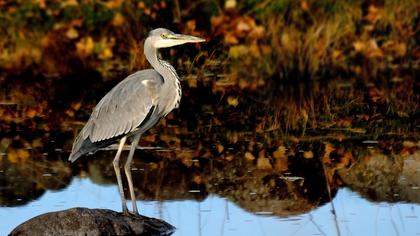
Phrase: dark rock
(84,221)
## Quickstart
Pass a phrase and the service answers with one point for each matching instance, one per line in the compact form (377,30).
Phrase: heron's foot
(135,212)
(131,213)
(125,211)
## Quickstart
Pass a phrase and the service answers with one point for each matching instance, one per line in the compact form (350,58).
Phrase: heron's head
(164,38)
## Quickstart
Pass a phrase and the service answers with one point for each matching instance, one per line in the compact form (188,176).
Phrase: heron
(133,106)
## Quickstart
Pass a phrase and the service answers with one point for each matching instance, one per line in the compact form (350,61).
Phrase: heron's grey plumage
(134,105)
(122,110)
(125,107)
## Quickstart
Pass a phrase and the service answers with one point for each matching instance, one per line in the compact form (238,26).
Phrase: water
(223,203)
(210,168)
(216,215)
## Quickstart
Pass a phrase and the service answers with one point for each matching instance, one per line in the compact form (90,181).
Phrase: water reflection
(229,197)
(216,215)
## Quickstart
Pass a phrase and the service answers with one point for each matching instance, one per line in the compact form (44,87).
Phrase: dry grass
(372,46)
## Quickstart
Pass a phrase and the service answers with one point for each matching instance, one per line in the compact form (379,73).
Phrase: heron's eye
(164,35)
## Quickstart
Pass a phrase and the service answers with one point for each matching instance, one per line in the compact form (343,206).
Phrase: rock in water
(84,221)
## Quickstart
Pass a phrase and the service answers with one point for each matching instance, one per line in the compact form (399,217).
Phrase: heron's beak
(177,39)
(187,38)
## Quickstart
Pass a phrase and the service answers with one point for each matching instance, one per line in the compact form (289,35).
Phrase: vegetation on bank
(282,39)
(301,67)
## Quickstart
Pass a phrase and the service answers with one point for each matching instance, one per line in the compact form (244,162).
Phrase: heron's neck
(162,68)
(170,78)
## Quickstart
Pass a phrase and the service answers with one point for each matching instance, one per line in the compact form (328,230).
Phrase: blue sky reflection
(219,216)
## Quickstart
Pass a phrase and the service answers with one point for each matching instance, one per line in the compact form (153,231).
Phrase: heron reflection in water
(133,106)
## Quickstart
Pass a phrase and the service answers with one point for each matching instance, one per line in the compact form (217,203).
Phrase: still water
(219,170)
(219,216)
(217,212)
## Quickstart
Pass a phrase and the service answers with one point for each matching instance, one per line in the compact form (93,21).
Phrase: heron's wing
(125,107)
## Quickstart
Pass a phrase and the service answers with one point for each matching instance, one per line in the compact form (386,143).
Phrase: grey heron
(133,106)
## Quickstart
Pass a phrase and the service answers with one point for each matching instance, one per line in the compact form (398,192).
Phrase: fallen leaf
(263,163)
(344,160)
(304,5)
(359,46)
(257,32)
(113,3)
(191,25)
(149,138)
(76,105)
(192,83)
(220,148)
(308,154)
(281,164)
(23,154)
(37,143)
(329,148)
(255,51)
(12,156)
(243,26)
(41,3)
(409,144)
(85,46)
(373,14)
(105,54)
(400,49)
(287,42)
(231,38)
(249,156)
(141,5)
(72,33)
(118,20)
(197,179)
(280,152)
(170,138)
(238,51)
(67,3)
(232,137)
(162,4)
(408,148)
(233,101)
(230,4)
(4,144)
(153,166)
(373,50)
(31,113)
(229,157)
(216,20)
(70,113)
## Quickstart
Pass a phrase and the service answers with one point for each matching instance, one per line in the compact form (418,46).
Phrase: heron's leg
(127,169)
(116,164)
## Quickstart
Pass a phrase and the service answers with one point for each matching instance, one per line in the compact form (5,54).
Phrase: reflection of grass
(314,107)
(26,178)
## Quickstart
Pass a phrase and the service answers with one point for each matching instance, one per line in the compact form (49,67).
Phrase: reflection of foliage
(259,171)
(381,177)
(27,172)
